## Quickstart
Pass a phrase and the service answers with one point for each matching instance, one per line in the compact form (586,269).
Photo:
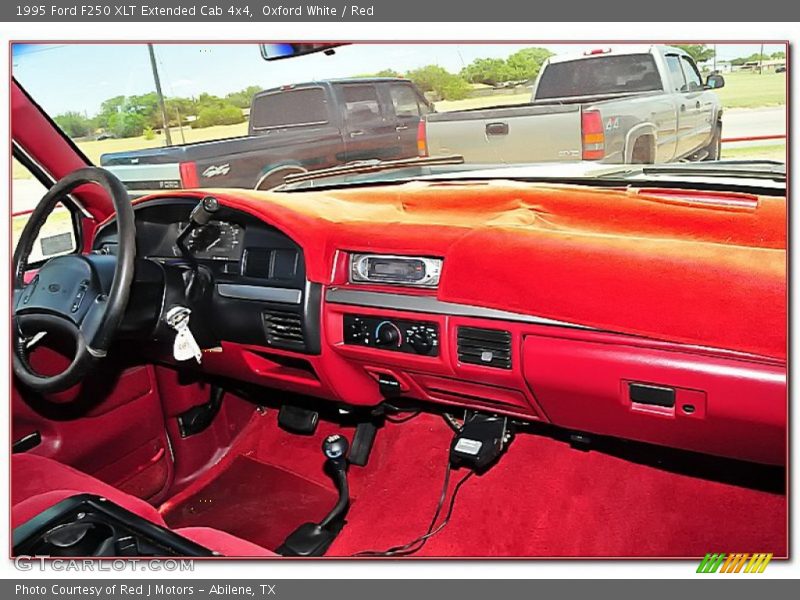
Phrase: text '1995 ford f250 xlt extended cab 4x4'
(636,104)
(292,129)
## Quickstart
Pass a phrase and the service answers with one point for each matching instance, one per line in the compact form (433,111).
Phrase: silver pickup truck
(633,104)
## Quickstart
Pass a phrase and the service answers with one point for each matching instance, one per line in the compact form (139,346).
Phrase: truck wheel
(714,149)
(273,179)
(643,152)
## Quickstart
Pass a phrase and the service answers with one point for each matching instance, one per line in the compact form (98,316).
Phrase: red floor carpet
(543,499)
(253,500)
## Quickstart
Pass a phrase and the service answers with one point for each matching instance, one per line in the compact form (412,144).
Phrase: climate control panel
(399,335)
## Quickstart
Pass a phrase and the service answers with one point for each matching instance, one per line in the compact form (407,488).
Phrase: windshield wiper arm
(720,170)
(761,169)
(375,166)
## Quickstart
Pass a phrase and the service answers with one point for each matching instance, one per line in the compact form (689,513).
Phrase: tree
(74,124)
(755,57)
(699,52)
(525,64)
(205,100)
(222,114)
(178,109)
(146,106)
(454,88)
(778,55)
(127,124)
(110,107)
(381,73)
(489,71)
(243,98)
(434,78)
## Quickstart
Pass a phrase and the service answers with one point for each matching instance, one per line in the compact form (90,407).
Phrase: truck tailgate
(149,169)
(517,134)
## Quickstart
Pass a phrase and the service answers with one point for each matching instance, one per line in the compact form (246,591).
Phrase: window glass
(361,102)
(291,107)
(676,79)
(693,80)
(229,118)
(57,236)
(406,103)
(599,76)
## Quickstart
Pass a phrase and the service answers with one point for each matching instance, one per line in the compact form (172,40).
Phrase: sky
(79,77)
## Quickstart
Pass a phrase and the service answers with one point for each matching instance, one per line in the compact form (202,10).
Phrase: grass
(770,152)
(94,149)
(742,90)
(750,90)
(521,96)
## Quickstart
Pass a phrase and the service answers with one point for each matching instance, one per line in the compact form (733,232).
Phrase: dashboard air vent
(487,347)
(284,329)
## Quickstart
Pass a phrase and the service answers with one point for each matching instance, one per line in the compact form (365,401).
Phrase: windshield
(174,116)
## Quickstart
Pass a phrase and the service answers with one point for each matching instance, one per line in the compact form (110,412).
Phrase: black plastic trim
(26,536)
(654,395)
(25,443)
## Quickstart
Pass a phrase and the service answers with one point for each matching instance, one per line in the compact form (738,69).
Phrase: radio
(416,271)
(398,335)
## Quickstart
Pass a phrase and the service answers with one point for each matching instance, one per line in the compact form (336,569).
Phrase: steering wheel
(80,296)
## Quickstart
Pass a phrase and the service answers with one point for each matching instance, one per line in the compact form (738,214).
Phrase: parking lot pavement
(750,122)
(26,194)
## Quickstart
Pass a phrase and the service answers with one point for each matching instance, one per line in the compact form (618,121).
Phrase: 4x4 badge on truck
(215,170)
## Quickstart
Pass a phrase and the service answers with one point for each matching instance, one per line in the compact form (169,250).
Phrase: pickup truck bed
(540,133)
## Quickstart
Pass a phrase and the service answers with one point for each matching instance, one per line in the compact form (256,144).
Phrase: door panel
(672,134)
(408,109)
(110,426)
(692,109)
(369,130)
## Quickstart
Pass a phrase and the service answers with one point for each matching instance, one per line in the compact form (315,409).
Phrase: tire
(714,149)
(643,153)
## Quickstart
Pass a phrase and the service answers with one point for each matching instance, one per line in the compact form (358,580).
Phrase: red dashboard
(610,300)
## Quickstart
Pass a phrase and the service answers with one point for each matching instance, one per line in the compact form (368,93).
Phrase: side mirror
(715,81)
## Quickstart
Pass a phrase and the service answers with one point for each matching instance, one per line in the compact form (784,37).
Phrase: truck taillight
(592,135)
(189,178)
(422,139)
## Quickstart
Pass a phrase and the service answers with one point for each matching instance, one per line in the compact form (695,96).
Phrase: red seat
(37,483)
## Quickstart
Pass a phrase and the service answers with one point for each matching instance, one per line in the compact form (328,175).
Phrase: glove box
(694,400)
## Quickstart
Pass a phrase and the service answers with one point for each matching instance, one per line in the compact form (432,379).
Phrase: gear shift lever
(313,539)
(335,449)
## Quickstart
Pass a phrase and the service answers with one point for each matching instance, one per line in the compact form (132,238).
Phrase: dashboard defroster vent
(487,347)
(284,329)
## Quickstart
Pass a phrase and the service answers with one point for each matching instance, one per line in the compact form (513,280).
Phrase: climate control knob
(388,334)
(421,342)
(357,331)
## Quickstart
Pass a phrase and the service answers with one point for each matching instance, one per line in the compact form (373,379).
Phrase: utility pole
(761,61)
(164,118)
